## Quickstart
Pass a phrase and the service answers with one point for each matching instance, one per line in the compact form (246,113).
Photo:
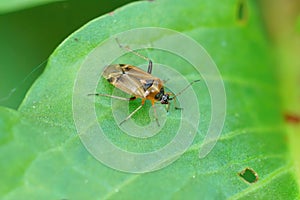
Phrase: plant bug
(139,84)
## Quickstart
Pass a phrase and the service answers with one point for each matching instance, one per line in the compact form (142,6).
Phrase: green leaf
(14,5)
(45,159)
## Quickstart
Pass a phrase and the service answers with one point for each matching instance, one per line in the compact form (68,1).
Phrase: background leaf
(55,164)
(14,5)
(286,40)
(30,35)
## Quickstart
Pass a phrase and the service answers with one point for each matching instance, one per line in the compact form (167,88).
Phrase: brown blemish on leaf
(292,118)
(249,175)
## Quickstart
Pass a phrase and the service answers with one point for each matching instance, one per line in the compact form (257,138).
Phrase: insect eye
(164,99)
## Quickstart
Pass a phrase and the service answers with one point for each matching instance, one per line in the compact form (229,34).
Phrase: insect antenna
(176,95)
(179,93)
(127,48)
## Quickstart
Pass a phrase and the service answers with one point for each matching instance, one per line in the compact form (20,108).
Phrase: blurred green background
(30,34)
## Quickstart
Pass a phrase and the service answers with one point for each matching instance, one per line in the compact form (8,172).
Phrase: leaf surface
(49,161)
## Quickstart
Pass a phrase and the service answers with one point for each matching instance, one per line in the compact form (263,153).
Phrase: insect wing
(129,79)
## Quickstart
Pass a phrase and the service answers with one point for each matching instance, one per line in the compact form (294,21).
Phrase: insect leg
(155,113)
(149,67)
(127,48)
(115,97)
(130,115)
(179,93)
(175,106)
(172,97)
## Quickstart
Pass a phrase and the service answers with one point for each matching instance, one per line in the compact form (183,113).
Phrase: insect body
(139,84)
(136,82)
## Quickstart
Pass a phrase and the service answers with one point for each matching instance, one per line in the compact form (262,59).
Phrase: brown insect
(139,84)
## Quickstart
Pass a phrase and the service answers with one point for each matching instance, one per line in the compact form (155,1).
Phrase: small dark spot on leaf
(292,118)
(76,39)
(249,175)
(242,11)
